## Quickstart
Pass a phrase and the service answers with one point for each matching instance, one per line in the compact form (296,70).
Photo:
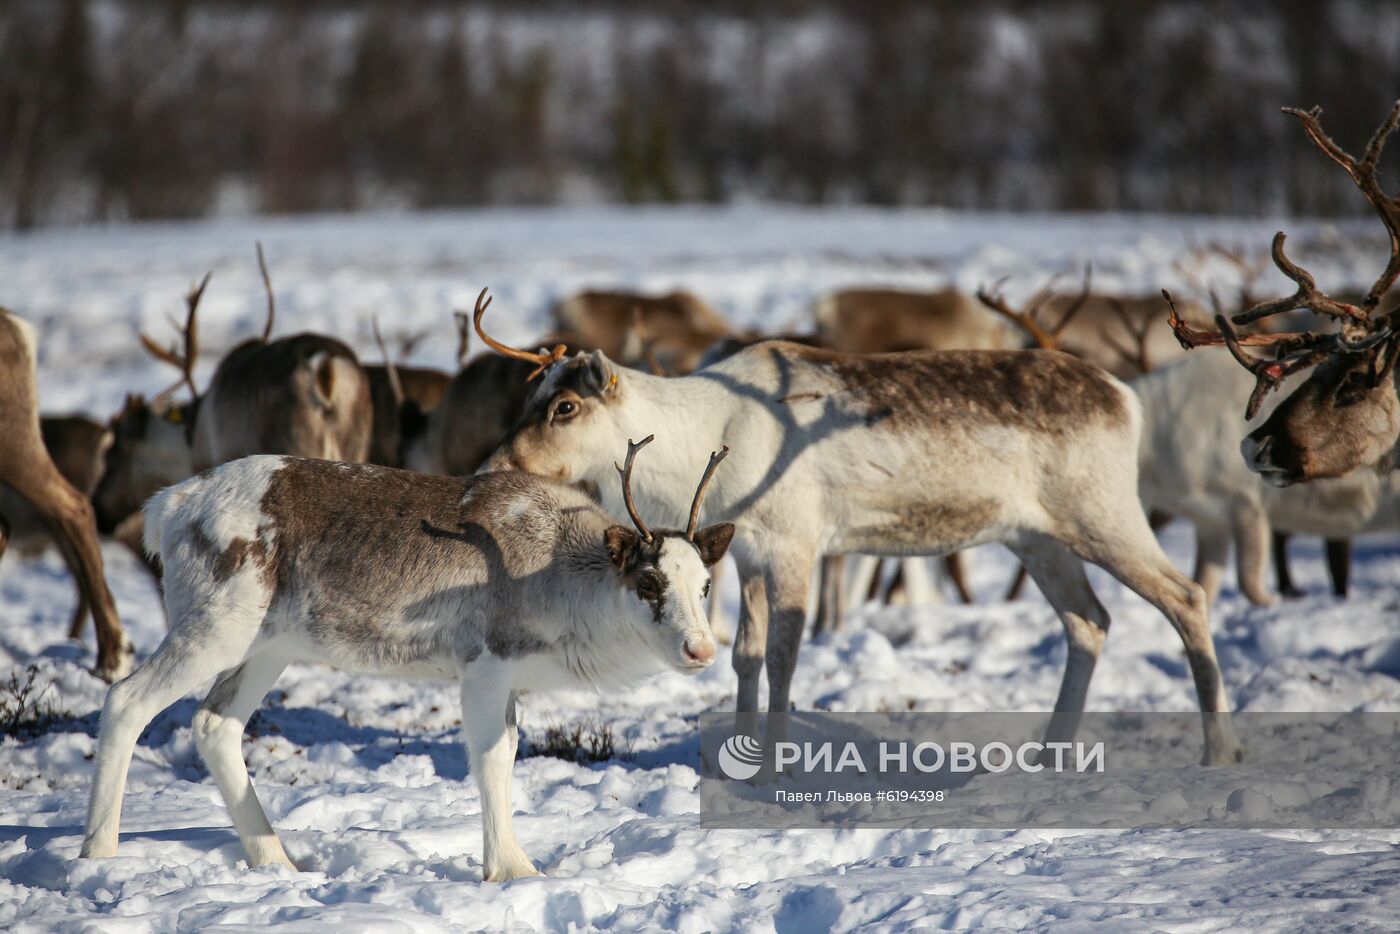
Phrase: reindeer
(882,320)
(305,395)
(1126,335)
(668,332)
(27,470)
(479,407)
(875,320)
(894,454)
(402,398)
(1346,413)
(1187,465)
(505,581)
(77,446)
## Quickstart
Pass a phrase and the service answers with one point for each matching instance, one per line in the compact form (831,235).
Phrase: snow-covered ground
(365,778)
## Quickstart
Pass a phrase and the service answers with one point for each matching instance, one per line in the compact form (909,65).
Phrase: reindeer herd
(305,506)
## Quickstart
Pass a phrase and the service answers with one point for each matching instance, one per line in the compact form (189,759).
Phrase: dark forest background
(185,108)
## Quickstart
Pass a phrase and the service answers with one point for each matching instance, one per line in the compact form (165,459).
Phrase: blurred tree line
(115,109)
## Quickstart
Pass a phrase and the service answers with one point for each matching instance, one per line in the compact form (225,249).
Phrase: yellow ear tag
(612,383)
(175,416)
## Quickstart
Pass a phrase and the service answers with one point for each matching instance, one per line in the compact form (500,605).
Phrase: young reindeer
(896,454)
(1346,413)
(506,582)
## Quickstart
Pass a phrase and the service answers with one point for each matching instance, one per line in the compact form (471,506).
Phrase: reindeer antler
(1360,330)
(1046,338)
(544,360)
(395,384)
(182,362)
(715,458)
(1292,352)
(267,287)
(464,336)
(1139,332)
(626,473)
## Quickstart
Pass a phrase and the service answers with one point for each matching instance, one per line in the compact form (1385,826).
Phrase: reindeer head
(1341,418)
(668,572)
(1345,414)
(570,418)
(150,450)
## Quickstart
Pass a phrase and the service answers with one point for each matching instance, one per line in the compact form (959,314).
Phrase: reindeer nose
(699,653)
(1256,453)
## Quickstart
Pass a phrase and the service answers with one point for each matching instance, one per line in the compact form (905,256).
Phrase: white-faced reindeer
(304,395)
(1346,414)
(897,454)
(27,469)
(505,581)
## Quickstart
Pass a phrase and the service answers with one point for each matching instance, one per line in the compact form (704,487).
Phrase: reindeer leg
(218,734)
(1212,548)
(69,513)
(863,576)
(750,646)
(1060,576)
(488,728)
(1018,583)
(1251,529)
(177,667)
(785,584)
(80,607)
(830,597)
(1339,564)
(955,565)
(1121,543)
(1281,571)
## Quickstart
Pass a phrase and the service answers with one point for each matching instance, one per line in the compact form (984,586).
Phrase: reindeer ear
(713,542)
(601,377)
(621,543)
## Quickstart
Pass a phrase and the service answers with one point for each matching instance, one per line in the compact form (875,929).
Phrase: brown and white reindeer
(304,395)
(27,470)
(506,582)
(896,454)
(873,320)
(1345,414)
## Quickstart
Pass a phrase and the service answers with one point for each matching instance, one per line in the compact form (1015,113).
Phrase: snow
(365,779)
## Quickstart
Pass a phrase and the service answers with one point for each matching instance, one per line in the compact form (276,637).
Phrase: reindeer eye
(649,588)
(566,409)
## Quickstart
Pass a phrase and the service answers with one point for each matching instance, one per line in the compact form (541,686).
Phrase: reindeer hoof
(1228,758)
(114,669)
(512,870)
